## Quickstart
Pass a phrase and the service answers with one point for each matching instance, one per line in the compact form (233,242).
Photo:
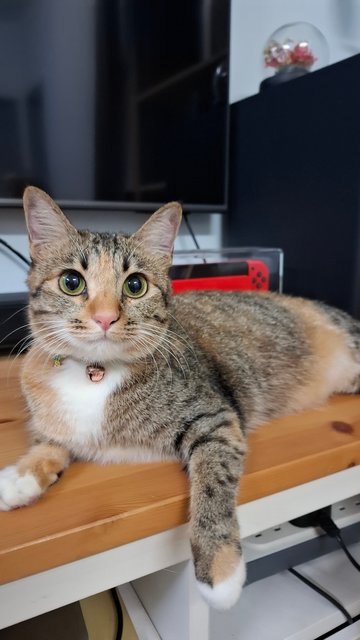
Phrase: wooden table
(98,508)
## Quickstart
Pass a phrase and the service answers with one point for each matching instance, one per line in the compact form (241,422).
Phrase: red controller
(248,275)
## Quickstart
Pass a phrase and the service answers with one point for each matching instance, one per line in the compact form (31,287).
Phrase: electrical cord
(323,593)
(189,227)
(332,530)
(17,253)
(322,518)
(342,544)
(120,617)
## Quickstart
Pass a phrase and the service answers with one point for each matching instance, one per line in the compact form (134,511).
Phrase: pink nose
(105,319)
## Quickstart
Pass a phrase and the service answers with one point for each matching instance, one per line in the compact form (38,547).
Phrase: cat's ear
(46,223)
(158,233)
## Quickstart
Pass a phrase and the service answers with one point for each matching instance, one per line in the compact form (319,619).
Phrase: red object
(257,279)
(302,54)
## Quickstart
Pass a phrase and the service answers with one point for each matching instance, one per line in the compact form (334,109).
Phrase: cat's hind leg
(25,482)
(215,463)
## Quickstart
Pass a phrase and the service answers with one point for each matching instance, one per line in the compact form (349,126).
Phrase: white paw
(225,594)
(16,490)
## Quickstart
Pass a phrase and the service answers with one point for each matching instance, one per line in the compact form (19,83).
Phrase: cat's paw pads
(17,490)
(224,594)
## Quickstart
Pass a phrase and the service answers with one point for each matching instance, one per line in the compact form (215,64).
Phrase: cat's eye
(135,286)
(72,283)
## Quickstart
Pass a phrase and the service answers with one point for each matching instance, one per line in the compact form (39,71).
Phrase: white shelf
(158,554)
(283,608)
(350,633)
(285,535)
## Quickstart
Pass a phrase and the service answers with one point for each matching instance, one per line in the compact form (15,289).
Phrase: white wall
(253,22)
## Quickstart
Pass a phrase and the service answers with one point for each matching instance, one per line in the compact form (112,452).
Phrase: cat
(132,373)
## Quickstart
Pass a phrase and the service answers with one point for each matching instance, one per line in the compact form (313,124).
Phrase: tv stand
(122,522)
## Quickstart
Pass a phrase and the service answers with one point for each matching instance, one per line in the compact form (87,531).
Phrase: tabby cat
(132,373)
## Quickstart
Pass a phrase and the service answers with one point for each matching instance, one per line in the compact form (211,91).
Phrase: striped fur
(185,377)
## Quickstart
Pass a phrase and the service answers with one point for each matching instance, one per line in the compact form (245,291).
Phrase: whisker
(185,332)
(169,347)
(49,342)
(144,346)
(24,326)
(24,339)
(28,325)
(157,348)
(178,338)
(14,314)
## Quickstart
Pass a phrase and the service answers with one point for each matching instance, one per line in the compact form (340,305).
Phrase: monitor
(115,103)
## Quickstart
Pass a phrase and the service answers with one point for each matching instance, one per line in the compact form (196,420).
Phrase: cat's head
(98,296)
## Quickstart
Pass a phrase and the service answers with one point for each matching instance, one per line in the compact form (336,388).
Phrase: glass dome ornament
(293,51)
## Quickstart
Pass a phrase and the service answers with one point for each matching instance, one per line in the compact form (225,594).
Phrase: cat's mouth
(104,346)
(100,346)
(92,336)
(103,337)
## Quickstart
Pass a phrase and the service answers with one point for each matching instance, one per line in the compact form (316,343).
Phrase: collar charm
(95,372)
(57,361)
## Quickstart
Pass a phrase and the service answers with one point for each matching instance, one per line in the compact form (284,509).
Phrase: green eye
(135,286)
(72,283)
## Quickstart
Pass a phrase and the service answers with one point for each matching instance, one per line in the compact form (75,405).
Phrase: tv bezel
(100,205)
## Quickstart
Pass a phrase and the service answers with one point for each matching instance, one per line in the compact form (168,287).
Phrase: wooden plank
(302,447)
(94,508)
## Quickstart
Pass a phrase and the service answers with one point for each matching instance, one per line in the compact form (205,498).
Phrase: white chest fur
(82,402)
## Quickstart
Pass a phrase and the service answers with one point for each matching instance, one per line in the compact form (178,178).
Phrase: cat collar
(95,372)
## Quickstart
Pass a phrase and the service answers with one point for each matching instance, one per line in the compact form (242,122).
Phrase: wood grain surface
(93,508)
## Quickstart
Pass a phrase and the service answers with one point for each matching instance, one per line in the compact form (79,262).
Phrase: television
(119,104)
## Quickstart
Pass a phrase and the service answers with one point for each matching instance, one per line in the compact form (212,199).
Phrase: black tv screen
(117,103)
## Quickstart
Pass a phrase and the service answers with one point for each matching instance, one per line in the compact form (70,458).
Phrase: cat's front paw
(17,490)
(229,575)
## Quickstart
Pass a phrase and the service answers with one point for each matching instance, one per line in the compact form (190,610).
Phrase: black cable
(17,253)
(186,219)
(185,215)
(340,627)
(342,544)
(120,617)
(322,518)
(329,526)
(323,593)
